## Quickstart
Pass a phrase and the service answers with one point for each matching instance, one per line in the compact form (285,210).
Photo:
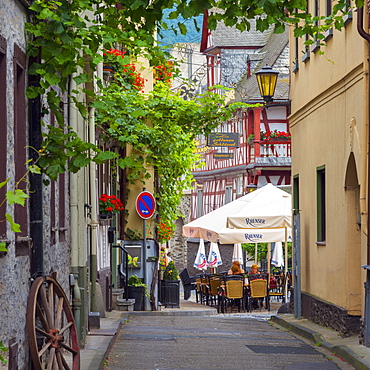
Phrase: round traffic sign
(145,204)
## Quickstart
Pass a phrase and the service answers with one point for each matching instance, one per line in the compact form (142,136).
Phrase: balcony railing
(269,148)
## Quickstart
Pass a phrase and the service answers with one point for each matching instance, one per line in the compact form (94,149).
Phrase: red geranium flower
(110,204)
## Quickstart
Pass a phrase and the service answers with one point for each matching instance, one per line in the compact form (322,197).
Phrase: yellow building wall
(328,123)
(134,221)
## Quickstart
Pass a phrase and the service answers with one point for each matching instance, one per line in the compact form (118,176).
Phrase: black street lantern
(266,78)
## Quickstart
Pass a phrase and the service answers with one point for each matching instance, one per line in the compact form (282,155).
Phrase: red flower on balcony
(110,204)
(280,135)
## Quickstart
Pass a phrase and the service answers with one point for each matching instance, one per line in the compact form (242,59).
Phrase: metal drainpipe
(366,36)
(77,305)
(94,223)
(36,206)
(73,183)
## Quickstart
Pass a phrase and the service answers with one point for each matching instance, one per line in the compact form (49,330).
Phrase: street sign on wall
(224,139)
(145,204)
(223,155)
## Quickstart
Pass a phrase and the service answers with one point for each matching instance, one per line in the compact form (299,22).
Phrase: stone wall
(178,248)
(329,315)
(226,251)
(16,265)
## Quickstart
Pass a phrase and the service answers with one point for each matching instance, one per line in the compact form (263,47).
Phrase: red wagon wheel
(52,333)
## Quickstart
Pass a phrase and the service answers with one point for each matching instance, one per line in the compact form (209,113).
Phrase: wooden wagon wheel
(52,333)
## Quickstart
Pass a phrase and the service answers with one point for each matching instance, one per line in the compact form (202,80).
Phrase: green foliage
(68,38)
(17,196)
(171,272)
(262,250)
(161,127)
(3,349)
(134,234)
(134,280)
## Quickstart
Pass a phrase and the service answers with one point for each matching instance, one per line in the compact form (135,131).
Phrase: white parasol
(277,258)
(200,260)
(214,257)
(238,253)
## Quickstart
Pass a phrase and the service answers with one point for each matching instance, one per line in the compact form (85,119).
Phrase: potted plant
(136,288)
(108,205)
(170,286)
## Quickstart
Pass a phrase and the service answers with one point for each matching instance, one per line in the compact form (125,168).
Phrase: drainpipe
(93,223)
(36,206)
(366,36)
(75,231)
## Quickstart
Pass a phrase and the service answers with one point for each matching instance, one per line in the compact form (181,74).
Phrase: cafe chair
(188,282)
(278,291)
(257,293)
(198,290)
(205,290)
(234,294)
(214,286)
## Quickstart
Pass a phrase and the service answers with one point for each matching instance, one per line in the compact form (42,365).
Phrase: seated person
(235,269)
(254,270)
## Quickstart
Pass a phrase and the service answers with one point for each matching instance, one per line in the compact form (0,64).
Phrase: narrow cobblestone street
(227,342)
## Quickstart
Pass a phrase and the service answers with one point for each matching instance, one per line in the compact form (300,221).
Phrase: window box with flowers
(263,136)
(279,135)
(109,205)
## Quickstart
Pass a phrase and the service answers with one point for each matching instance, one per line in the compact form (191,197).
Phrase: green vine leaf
(2,184)
(16,196)
(13,226)
(34,169)
(3,249)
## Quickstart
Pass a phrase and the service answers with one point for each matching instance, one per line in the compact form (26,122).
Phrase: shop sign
(223,155)
(224,139)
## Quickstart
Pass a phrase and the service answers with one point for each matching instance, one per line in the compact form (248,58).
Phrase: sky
(192,36)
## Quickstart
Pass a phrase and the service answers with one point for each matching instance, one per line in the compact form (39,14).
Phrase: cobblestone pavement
(212,342)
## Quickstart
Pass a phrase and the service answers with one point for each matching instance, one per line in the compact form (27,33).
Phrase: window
(20,141)
(228,194)
(321,208)
(316,45)
(3,130)
(296,55)
(200,203)
(329,6)
(296,193)
(239,186)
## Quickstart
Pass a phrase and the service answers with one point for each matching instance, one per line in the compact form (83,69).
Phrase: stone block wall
(226,251)
(329,315)
(16,264)
(177,244)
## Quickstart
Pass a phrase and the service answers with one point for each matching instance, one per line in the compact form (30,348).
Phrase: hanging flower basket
(106,216)
(109,204)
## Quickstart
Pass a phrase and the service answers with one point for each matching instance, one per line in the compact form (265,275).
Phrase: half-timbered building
(261,153)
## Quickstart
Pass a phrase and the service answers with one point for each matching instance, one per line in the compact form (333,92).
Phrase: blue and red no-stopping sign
(145,204)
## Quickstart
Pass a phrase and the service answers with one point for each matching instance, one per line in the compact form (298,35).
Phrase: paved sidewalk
(98,341)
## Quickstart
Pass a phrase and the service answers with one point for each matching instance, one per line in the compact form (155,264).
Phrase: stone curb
(341,351)
(101,359)
(175,313)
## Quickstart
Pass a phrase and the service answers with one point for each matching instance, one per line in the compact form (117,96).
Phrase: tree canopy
(69,40)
